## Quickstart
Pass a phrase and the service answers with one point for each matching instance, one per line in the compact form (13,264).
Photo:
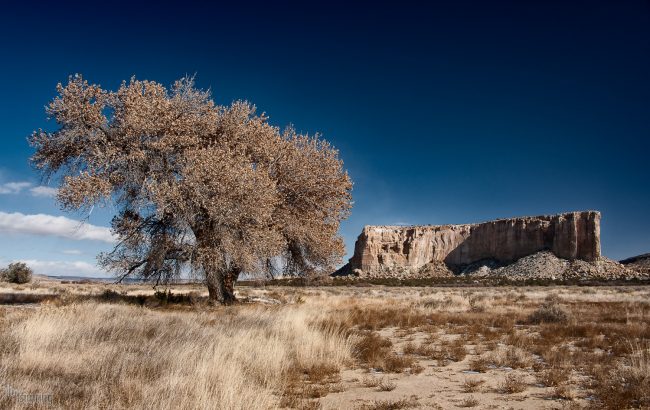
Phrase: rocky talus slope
(639,263)
(545,265)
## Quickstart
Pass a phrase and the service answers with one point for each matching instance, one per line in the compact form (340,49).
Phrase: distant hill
(80,278)
(126,281)
(640,263)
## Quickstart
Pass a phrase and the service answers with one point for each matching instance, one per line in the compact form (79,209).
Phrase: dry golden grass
(472,385)
(369,381)
(101,346)
(403,403)
(386,385)
(120,356)
(479,364)
(512,384)
(510,356)
(469,402)
(554,376)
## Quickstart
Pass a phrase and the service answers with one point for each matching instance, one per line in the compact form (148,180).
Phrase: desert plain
(66,344)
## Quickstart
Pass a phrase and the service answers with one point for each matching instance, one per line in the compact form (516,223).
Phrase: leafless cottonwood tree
(209,189)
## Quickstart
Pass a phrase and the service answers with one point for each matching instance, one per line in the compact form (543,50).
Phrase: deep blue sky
(449,113)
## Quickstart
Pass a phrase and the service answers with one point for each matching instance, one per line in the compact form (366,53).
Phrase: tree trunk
(229,284)
(221,286)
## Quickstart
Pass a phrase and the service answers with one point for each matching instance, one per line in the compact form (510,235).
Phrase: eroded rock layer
(573,235)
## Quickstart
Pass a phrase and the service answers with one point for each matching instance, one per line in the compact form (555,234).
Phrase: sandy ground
(437,384)
(441,387)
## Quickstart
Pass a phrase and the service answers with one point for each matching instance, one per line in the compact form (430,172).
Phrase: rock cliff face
(573,235)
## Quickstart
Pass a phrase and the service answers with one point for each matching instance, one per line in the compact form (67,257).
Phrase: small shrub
(410,348)
(395,364)
(371,348)
(194,297)
(322,372)
(516,358)
(557,356)
(109,295)
(564,392)
(373,351)
(471,385)
(469,402)
(370,382)
(336,387)
(297,402)
(511,357)
(164,298)
(479,364)
(314,391)
(17,272)
(405,403)
(423,349)
(512,384)
(554,376)
(549,312)
(447,351)
(386,385)
(457,350)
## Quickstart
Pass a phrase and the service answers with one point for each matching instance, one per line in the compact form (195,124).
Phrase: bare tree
(212,190)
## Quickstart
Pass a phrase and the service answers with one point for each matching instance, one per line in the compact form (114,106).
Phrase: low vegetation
(118,346)
(472,385)
(549,312)
(17,272)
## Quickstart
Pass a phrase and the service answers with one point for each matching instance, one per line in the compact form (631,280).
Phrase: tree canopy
(199,187)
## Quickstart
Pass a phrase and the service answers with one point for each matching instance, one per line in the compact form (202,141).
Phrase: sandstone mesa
(565,245)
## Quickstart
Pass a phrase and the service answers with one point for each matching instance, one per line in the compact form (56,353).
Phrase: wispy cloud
(61,268)
(43,191)
(50,225)
(13,188)
(71,252)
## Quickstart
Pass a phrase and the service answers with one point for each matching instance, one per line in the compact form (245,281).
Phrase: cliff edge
(438,250)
